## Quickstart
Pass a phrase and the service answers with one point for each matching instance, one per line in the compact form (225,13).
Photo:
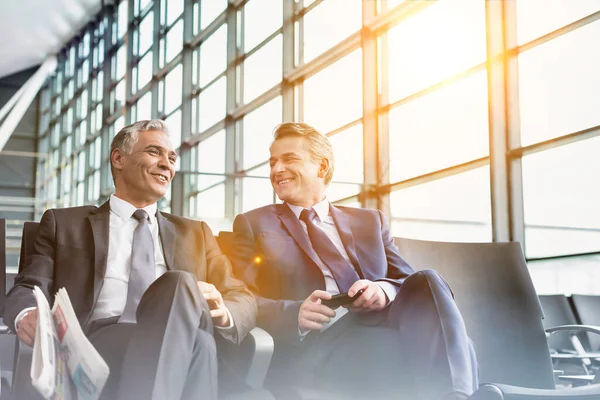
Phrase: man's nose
(277,168)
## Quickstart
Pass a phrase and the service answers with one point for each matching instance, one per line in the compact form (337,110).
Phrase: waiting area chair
(244,367)
(588,313)
(494,291)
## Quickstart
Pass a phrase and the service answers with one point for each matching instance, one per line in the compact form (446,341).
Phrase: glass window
(333,97)
(173,89)
(211,203)
(174,124)
(258,132)
(212,105)
(120,64)
(174,42)
(146,33)
(561,200)
(348,154)
(320,30)
(455,209)
(438,42)
(258,192)
(174,10)
(261,18)
(262,70)
(144,107)
(536,18)
(210,158)
(144,70)
(211,9)
(446,127)
(213,56)
(122,19)
(559,85)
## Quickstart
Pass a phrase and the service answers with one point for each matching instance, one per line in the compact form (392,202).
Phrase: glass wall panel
(561,200)
(212,104)
(333,97)
(258,192)
(261,18)
(454,209)
(211,203)
(438,42)
(258,132)
(210,9)
(173,89)
(559,85)
(321,33)
(262,70)
(446,127)
(213,56)
(209,157)
(532,23)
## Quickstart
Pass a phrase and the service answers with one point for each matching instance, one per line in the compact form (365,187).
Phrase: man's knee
(426,279)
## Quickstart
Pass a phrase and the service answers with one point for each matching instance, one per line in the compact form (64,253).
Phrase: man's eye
(173,160)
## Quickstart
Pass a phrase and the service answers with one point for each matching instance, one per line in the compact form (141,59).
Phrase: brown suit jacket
(71,251)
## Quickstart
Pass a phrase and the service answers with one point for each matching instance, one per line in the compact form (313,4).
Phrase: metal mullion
(287,90)
(369,111)
(154,82)
(513,137)
(332,55)
(179,195)
(305,10)
(257,102)
(232,204)
(435,175)
(199,89)
(498,126)
(209,30)
(259,46)
(580,23)
(197,137)
(564,140)
(381,23)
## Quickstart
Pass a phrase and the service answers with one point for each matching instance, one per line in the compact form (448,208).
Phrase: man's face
(145,174)
(296,177)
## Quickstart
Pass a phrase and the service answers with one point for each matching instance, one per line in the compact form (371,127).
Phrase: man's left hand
(372,299)
(218,311)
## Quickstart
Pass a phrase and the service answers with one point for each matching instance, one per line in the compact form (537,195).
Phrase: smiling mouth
(284,181)
(161,178)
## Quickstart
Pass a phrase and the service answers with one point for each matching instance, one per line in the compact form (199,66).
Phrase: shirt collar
(125,210)
(321,208)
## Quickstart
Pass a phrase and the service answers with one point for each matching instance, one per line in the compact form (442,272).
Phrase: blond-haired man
(402,336)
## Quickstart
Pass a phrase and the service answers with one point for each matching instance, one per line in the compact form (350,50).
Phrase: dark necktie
(342,271)
(143,267)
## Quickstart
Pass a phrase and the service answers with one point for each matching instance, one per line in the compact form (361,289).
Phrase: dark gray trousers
(417,348)
(169,353)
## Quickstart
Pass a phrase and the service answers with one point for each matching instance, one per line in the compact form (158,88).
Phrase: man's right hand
(313,314)
(27,326)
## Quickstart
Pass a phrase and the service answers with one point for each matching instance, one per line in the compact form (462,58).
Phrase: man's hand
(27,327)
(372,299)
(313,314)
(218,311)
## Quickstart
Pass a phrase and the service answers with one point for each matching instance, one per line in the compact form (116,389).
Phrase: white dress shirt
(113,294)
(324,222)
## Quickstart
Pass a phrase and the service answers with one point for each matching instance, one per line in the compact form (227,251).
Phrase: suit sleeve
(278,317)
(398,269)
(38,271)
(239,300)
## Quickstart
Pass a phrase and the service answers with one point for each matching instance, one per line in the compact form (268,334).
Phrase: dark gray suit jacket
(273,255)
(71,251)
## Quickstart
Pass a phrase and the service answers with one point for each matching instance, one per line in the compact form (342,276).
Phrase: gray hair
(128,136)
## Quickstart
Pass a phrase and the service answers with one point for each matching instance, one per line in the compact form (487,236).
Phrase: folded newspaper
(65,365)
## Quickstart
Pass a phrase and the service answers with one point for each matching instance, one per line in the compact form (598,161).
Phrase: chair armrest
(497,391)
(250,360)
(21,382)
(574,328)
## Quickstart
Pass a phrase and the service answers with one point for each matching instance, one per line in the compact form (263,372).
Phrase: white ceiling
(32,29)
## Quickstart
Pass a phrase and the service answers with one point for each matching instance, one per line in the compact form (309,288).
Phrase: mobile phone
(341,299)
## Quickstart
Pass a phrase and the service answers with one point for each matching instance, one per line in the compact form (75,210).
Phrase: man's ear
(323,167)
(116,159)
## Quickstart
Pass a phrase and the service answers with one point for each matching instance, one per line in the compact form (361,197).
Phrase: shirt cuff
(226,328)
(22,315)
(389,289)
(302,333)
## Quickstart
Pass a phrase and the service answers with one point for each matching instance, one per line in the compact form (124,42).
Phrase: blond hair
(319,145)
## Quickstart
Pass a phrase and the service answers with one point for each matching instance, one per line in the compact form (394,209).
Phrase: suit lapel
(342,223)
(289,219)
(100,223)
(166,231)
